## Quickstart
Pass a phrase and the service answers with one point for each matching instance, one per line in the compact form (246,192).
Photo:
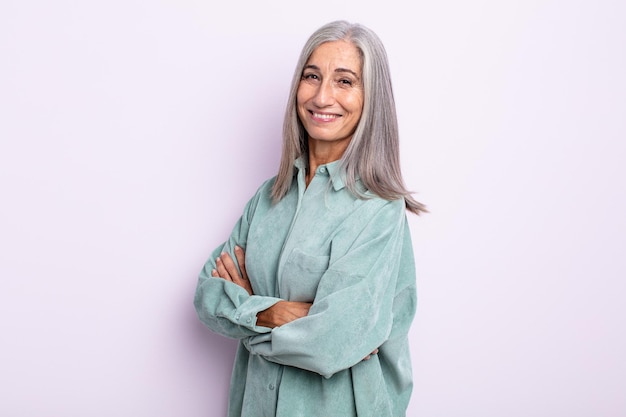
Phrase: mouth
(324,117)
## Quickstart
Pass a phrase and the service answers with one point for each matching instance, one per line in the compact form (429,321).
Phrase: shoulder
(261,198)
(374,212)
(389,211)
(380,206)
(266,186)
(264,191)
(372,201)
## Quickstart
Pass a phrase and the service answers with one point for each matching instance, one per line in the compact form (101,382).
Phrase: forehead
(336,54)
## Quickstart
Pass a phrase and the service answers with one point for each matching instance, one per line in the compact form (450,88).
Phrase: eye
(345,81)
(310,76)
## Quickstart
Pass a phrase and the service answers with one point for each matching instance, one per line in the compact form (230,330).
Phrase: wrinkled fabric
(353,259)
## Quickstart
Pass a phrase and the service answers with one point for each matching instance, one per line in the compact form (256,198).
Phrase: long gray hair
(373,152)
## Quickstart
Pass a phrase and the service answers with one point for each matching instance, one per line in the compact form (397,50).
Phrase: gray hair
(373,152)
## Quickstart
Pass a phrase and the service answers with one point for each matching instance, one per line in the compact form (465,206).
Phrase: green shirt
(353,259)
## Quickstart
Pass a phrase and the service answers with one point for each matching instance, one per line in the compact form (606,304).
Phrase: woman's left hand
(226,269)
(375,352)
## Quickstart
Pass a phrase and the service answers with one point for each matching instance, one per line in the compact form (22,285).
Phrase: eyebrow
(315,67)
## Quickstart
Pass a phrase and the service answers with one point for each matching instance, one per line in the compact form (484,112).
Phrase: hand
(226,269)
(282,312)
(375,352)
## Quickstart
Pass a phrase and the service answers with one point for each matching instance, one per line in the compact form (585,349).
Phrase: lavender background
(132,133)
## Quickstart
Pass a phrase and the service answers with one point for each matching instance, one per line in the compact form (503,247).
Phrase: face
(330,94)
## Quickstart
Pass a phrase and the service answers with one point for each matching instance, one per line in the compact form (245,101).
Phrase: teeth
(325,116)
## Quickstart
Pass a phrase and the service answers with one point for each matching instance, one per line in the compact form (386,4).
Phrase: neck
(322,152)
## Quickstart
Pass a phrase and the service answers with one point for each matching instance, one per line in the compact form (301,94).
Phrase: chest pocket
(301,276)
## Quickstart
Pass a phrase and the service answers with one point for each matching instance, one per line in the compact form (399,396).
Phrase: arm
(278,314)
(223,306)
(352,314)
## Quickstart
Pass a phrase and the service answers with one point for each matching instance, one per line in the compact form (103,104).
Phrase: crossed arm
(280,313)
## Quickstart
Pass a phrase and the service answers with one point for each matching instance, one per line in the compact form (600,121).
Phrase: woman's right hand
(282,312)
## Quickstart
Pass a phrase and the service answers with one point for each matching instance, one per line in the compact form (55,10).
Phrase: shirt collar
(330,169)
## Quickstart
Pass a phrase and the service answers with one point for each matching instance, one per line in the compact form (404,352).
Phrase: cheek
(356,104)
(300,99)
(302,94)
(300,110)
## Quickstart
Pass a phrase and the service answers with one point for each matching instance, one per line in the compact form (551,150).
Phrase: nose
(324,96)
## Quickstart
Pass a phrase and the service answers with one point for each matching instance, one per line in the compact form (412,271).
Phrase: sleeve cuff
(245,314)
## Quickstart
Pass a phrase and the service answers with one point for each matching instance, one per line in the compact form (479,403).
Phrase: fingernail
(237,248)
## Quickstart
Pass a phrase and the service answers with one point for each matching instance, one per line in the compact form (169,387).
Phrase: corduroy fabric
(353,259)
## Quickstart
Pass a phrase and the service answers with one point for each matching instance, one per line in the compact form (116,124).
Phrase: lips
(324,117)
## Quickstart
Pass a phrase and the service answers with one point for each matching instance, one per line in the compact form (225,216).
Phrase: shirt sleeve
(353,311)
(225,307)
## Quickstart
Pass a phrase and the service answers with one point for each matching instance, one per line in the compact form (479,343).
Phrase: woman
(317,279)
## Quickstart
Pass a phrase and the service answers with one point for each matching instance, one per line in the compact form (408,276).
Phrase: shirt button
(248,320)
(272,387)
(237,317)
(323,170)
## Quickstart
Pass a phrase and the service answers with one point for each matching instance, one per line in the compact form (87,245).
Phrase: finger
(241,259)
(221,270)
(230,267)
(374,352)
(242,279)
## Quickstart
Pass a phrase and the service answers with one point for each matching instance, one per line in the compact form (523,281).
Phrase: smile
(325,117)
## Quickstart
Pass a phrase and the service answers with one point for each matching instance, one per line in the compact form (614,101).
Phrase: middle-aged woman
(317,279)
